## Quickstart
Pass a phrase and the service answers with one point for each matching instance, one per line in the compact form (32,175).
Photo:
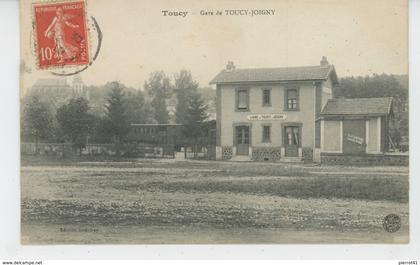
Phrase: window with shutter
(242,100)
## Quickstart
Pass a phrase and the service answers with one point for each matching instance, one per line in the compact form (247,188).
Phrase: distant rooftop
(57,82)
(77,79)
(358,106)
(51,82)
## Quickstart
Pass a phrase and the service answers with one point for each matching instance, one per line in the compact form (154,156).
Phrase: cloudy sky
(359,37)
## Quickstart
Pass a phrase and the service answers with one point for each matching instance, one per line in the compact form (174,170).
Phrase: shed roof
(301,73)
(358,106)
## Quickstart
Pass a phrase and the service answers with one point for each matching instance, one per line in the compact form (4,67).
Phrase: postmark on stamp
(61,34)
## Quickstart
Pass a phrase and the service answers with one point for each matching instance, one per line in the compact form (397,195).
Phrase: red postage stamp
(61,34)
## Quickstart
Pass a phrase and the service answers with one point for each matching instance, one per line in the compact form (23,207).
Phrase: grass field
(164,201)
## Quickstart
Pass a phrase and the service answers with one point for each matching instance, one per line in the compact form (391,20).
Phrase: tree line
(109,118)
(77,122)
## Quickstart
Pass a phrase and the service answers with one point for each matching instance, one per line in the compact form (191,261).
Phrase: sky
(359,37)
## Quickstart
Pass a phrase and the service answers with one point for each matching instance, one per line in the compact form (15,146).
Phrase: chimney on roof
(324,61)
(230,66)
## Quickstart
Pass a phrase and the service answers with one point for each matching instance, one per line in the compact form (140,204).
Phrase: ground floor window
(266,133)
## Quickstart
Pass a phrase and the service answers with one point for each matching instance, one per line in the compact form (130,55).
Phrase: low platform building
(354,127)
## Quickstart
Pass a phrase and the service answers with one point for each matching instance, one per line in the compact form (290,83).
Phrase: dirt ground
(164,201)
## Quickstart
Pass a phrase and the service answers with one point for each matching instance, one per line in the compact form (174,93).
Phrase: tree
(37,120)
(75,123)
(100,130)
(184,87)
(137,109)
(195,115)
(117,123)
(159,88)
(371,86)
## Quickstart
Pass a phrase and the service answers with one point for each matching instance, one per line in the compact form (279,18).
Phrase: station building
(289,114)
(271,114)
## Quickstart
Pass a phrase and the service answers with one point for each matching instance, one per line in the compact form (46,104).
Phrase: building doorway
(292,141)
(242,140)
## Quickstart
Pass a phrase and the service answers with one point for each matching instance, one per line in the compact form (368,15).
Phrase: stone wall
(266,153)
(366,159)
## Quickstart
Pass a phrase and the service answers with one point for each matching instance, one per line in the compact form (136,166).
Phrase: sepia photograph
(214,122)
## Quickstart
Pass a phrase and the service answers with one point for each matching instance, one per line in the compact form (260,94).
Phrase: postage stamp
(61,34)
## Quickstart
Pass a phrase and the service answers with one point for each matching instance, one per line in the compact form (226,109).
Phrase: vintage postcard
(214,122)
